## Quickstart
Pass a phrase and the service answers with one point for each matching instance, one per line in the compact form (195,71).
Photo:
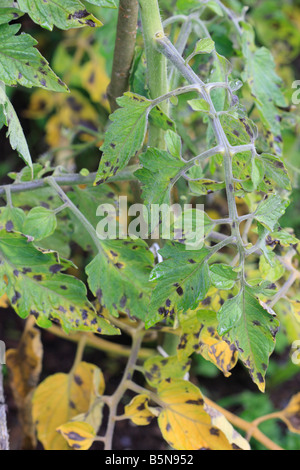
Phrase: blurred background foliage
(67,130)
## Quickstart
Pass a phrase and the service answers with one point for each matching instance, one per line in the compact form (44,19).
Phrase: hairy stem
(156,63)
(69,180)
(124,51)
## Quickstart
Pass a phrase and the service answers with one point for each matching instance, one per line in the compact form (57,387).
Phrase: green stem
(156,63)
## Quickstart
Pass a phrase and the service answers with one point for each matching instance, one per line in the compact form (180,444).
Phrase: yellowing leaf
(24,365)
(291,414)
(219,420)
(138,411)
(40,105)
(160,368)
(61,397)
(95,81)
(199,334)
(4,301)
(79,436)
(184,423)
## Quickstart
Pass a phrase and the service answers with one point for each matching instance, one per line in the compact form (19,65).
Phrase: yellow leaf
(4,301)
(138,411)
(41,104)
(291,414)
(24,365)
(95,81)
(184,423)
(219,420)
(200,335)
(61,397)
(79,436)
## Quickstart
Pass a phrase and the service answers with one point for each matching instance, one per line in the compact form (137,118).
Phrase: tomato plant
(192,121)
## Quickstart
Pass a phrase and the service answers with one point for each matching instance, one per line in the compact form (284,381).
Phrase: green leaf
(204,46)
(35,286)
(9,14)
(119,277)
(104,3)
(40,223)
(64,14)
(15,132)
(181,281)
(272,272)
(159,167)
(21,63)
(222,276)
(270,211)
(253,332)
(263,81)
(125,136)
(230,313)
(174,144)
(199,105)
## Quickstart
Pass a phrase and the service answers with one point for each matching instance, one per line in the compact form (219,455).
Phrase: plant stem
(115,399)
(124,50)
(70,180)
(87,225)
(156,63)
(101,344)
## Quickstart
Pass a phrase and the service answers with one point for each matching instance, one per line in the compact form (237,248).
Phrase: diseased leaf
(64,14)
(138,411)
(263,81)
(183,422)
(159,368)
(253,332)
(11,219)
(271,210)
(35,285)
(62,397)
(25,365)
(9,14)
(21,63)
(275,170)
(181,281)
(79,436)
(200,335)
(218,419)
(119,276)
(125,135)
